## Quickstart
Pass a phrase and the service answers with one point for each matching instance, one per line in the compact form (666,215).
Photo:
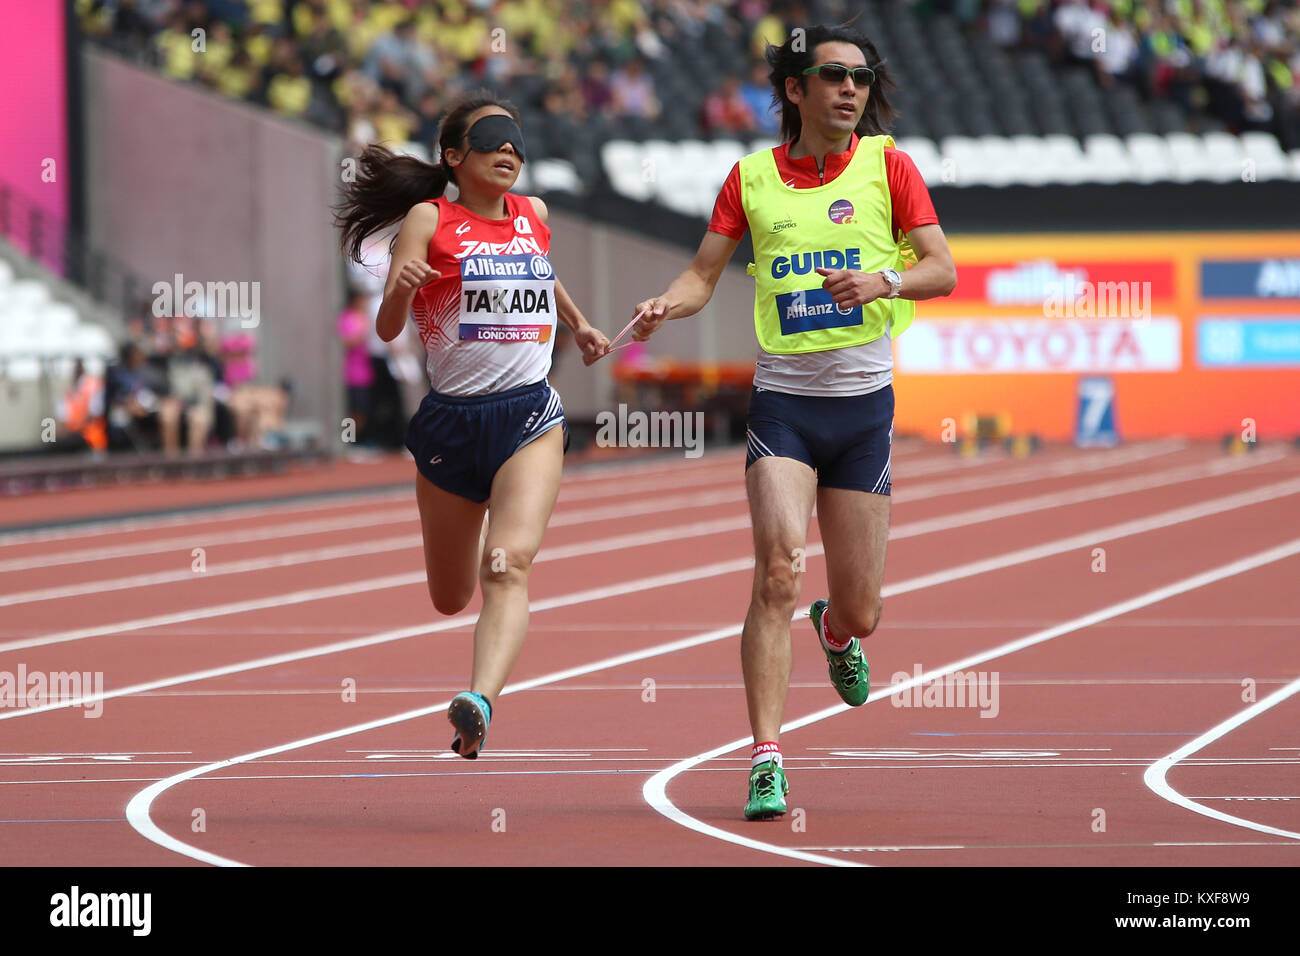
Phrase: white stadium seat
(1000,161)
(1192,162)
(1265,152)
(1226,155)
(556,175)
(27,294)
(89,340)
(926,157)
(57,315)
(1107,159)
(1065,160)
(1151,158)
(1031,159)
(621,160)
(962,161)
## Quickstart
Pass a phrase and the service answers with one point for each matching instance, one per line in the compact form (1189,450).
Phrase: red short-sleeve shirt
(909,197)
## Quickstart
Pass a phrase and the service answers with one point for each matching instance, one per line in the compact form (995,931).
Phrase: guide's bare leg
(855,529)
(523,496)
(781,495)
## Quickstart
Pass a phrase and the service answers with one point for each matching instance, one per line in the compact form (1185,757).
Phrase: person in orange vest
(81,413)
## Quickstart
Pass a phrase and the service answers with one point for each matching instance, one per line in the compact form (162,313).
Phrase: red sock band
(834,642)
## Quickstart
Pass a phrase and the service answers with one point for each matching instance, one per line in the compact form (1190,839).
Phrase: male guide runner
(845,238)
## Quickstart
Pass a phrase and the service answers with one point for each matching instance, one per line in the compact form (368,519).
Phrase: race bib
(507,298)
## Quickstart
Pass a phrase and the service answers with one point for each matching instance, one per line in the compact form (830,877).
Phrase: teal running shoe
(850,675)
(469,715)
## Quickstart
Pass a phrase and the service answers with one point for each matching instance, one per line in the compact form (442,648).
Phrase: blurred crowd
(1237,60)
(178,384)
(382,71)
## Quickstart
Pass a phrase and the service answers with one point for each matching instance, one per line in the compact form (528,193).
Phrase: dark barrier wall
(187,183)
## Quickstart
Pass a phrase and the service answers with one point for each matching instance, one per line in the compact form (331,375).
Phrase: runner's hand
(852,287)
(414,274)
(593,343)
(656,312)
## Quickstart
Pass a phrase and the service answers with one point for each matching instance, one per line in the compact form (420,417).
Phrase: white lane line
(1031,846)
(655,789)
(1080,495)
(714,475)
(405,514)
(594,473)
(138,809)
(998,562)
(628,587)
(213,515)
(1066,467)
(905,530)
(1154,777)
(338,552)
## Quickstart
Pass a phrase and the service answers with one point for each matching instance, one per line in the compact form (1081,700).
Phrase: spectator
(596,92)
(633,92)
(81,413)
(757,92)
(726,111)
(358,374)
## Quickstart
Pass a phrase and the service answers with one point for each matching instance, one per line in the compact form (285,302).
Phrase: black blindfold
(489,133)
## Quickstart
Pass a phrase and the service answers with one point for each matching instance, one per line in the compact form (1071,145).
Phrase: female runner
(476,275)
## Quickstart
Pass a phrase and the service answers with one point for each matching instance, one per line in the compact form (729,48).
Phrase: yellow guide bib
(844,224)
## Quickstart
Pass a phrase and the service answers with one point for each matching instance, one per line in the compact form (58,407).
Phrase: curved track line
(655,790)
(1154,777)
(137,810)
(142,822)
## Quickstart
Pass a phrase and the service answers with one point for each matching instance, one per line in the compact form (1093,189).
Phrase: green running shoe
(767,790)
(850,674)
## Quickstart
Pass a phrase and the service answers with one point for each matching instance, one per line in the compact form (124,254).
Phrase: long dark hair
(387,185)
(785,61)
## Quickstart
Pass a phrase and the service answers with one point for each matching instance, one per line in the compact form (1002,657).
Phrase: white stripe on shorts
(883,480)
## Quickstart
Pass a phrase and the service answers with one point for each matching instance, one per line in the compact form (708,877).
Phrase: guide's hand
(853,287)
(653,313)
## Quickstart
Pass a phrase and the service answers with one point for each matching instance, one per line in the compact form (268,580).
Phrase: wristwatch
(895,283)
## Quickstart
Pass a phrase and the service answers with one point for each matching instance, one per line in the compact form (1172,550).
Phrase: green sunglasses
(863,76)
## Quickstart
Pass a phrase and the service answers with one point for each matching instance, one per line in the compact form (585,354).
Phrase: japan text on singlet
(488,323)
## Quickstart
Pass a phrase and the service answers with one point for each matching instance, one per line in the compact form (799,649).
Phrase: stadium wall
(187,183)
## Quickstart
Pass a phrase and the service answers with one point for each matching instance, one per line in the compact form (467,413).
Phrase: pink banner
(33,119)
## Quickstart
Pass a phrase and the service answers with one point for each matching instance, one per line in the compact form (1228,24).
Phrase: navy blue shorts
(845,439)
(461,441)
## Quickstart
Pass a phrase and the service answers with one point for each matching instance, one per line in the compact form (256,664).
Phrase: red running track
(274,678)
